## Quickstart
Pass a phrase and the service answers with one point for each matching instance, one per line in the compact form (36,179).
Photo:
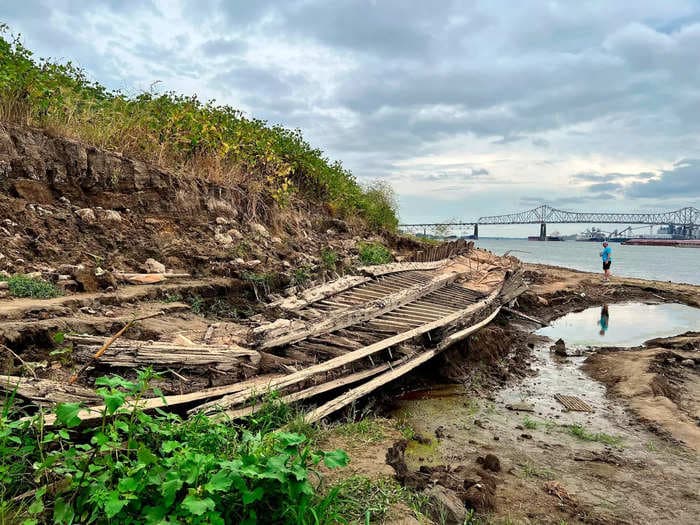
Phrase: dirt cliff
(62,201)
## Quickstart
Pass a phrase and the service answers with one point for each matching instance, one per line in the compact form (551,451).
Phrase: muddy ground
(485,426)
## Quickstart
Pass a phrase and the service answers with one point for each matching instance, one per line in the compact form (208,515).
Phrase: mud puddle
(558,466)
(623,324)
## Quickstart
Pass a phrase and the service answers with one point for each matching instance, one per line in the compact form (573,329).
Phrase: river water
(662,263)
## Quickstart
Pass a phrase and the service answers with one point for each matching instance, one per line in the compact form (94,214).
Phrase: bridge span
(685,220)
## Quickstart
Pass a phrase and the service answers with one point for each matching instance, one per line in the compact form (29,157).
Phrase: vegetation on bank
(212,142)
(24,286)
(158,468)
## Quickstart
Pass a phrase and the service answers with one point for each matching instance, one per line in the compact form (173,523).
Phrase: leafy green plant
(197,304)
(373,253)
(216,143)
(23,286)
(156,468)
(172,297)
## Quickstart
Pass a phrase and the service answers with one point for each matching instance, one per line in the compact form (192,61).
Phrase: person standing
(606,255)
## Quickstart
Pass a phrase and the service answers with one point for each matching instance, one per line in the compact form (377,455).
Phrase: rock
(153,266)
(445,505)
(223,238)
(542,301)
(490,462)
(4,285)
(480,495)
(526,436)
(276,240)
(68,285)
(688,362)
(86,278)
(253,263)
(559,348)
(222,220)
(233,232)
(440,432)
(86,215)
(239,260)
(64,200)
(148,278)
(110,216)
(33,275)
(259,229)
(106,280)
(521,407)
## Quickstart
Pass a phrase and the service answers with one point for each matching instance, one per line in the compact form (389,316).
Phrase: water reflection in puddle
(626,324)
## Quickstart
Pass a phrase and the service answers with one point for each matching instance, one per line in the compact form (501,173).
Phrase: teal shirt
(606,254)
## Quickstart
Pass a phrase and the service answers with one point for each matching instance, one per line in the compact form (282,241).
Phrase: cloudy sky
(467,107)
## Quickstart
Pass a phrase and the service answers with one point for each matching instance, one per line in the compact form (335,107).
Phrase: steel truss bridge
(685,221)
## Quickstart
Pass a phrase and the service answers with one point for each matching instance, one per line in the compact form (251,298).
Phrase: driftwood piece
(131,353)
(364,389)
(524,316)
(337,362)
(47,392)
(363,312)
(384,269)
(318,293)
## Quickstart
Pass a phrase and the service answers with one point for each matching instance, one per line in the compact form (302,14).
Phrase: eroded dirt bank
(482,430)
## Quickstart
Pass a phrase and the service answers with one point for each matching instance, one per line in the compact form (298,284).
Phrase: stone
(276,240)
(110,216)
(233,232)
(222,220)
(87,215)
(33,275)
(688,362)
(559,348)
(4,285)
(239,260)
(259,229)
(445,505)
(253,263)
(490,462)
(86,278)
(223,238)
(153,266)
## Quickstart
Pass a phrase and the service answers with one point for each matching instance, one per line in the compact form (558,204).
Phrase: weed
(580,432)
(329,259)
(530,424)
(407,431)
(301,276)
(156,468)
(23,286)
(260,282)
(650,446)
(215,143)
(197,304)
(530,470)
(172,297)
(364,500)
(373,253)
(367,430)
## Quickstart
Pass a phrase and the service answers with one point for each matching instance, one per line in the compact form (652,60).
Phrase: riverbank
(633,459)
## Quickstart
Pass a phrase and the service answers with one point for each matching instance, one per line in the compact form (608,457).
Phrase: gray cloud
(681,181)
(380,84)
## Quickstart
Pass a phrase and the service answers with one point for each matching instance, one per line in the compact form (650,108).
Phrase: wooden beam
(384,269)
(360,391)
(47,392)
(317,293)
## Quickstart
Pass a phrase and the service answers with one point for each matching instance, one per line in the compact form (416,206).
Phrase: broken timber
(47,392)
(384,269)
(318,293)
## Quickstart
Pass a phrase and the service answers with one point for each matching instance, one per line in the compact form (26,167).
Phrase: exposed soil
(632,460)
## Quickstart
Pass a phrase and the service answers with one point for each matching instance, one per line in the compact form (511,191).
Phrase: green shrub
(142,468)
(374,253)
(213,142)
(23,286)
(329,259)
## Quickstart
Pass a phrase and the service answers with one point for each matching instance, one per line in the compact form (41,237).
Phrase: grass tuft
(580,432)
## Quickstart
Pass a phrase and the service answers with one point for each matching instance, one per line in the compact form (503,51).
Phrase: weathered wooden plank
(364,389)
(317,293)
(384,269)
(47,392)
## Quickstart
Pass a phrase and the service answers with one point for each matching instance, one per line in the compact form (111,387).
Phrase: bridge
(685,221)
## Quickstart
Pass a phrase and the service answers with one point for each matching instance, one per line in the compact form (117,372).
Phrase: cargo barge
(679,243)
